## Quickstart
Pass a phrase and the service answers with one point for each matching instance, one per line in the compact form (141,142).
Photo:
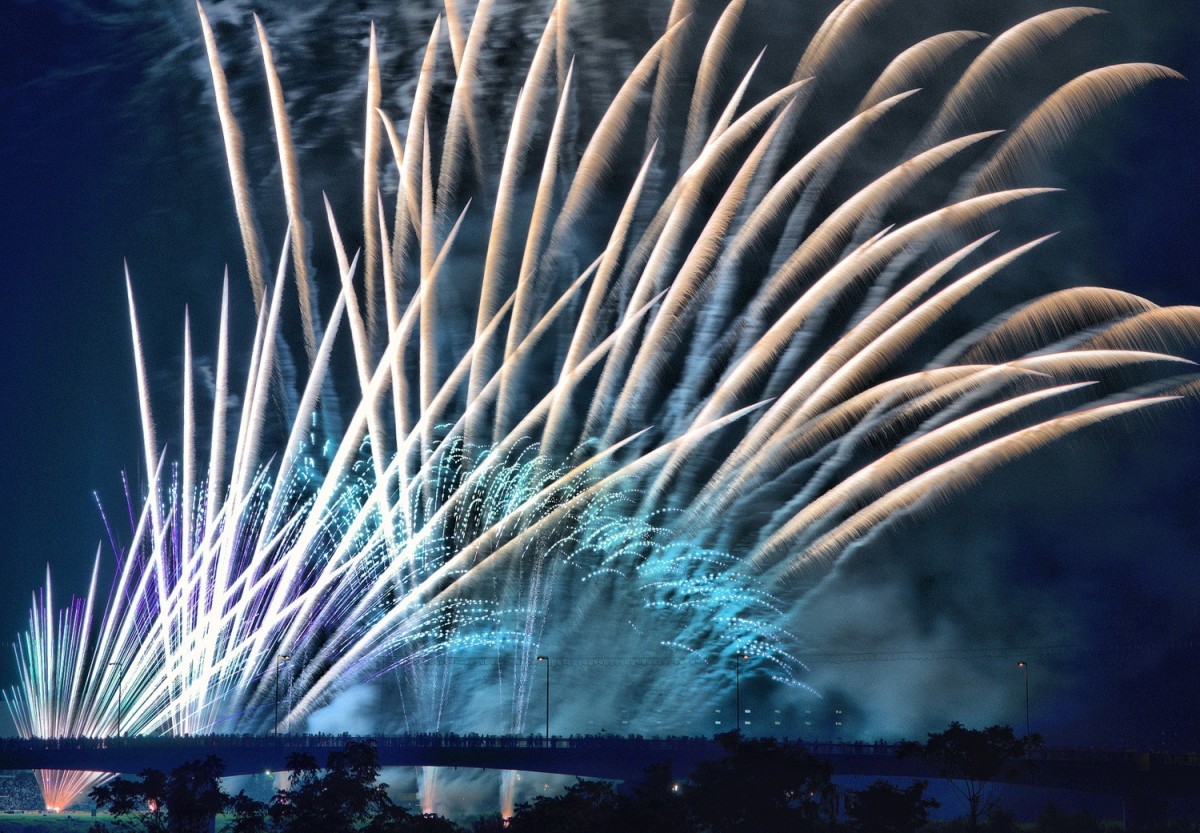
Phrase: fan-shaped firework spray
(635,376)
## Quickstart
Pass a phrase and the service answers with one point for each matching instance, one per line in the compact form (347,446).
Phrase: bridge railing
(581,742)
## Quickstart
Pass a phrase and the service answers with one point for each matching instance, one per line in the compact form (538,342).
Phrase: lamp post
(737,689)
(547,661)
(120,677)
(278,661)
(1024,666)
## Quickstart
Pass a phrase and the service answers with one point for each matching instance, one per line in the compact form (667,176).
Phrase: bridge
(609,757)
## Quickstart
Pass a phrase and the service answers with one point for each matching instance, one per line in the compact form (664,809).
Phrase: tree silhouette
(338,799)
(885,808)
(342,797)
(659,804)
(186,801)
(973,760)
(585,807)
(760,785)
(249,815)
(134,805)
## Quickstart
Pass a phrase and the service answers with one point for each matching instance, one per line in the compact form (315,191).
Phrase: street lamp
(737,688)
(547,661)
(278,661)
(120,676)
(1024,666)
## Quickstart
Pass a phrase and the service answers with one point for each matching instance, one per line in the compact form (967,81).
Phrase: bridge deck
(1117,772)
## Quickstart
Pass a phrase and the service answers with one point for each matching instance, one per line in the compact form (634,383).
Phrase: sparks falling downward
(652,422)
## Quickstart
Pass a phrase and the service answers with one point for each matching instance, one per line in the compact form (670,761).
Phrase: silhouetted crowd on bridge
(604,740)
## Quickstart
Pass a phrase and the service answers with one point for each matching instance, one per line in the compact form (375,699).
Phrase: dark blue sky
(86,182)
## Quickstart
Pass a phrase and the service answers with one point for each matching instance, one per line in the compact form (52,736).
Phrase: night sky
(98,166)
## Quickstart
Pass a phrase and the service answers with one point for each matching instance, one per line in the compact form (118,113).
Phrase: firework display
(636,376)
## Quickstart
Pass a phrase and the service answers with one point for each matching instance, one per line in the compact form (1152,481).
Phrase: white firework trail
(649,421)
